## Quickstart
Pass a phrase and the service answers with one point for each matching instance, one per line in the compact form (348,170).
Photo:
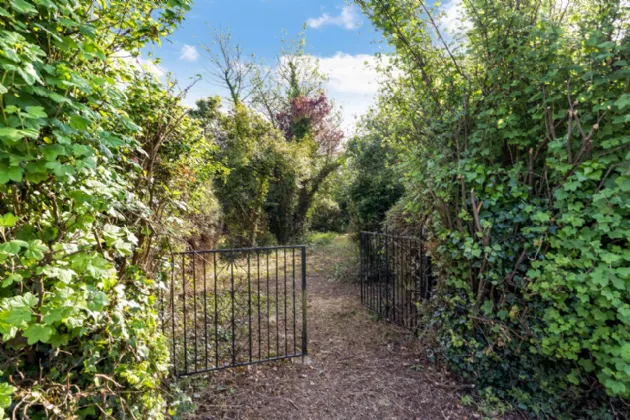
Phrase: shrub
(79,335)
(374,187)
(520,167)
(326,216)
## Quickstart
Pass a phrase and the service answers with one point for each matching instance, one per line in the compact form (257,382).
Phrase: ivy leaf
(36,111)
(98,302)
(23,7)
(623,101)
(6,391)
(58,340)
(53,151)
(19,315)
(79,123)
(10,173)
(12,278)
(29,74)
(8,220)
(55,315)
(10,134)
(12,247)
(35,250)
(37,332)
(59,169)
(64,275)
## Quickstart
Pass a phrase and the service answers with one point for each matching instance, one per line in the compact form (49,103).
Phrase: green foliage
(78,331)
(254,154)
(326,216)
(173,168)
(374,186)
(330,209)
(321,238)
(520,166)
(278,149)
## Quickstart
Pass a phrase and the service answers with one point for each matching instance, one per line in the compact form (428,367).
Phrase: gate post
(361,263)
(304,300)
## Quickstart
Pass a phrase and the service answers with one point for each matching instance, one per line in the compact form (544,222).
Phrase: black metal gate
(235,307)
(395,276)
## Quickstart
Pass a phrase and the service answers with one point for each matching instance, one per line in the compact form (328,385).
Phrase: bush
(519,163)
(79,333)
(374,187)
(326,216)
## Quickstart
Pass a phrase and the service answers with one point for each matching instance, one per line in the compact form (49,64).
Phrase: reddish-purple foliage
(310,115)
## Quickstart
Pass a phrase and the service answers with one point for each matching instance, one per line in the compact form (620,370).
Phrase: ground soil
(357,368)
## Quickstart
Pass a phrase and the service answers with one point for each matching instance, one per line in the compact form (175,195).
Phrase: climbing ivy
(520,167)
(78,335)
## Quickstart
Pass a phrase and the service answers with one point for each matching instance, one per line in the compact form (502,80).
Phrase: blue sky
(337,34)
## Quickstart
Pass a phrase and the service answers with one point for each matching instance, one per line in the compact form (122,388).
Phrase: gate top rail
(233,250)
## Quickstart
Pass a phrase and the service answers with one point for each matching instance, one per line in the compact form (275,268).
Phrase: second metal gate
(395,276)
(235,307)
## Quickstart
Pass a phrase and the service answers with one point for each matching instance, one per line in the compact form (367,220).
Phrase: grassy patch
(336,257)
(319,239)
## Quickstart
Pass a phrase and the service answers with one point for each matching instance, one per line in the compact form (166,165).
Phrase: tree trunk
(305,199)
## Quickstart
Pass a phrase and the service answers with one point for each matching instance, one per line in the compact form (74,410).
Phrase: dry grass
(357,368)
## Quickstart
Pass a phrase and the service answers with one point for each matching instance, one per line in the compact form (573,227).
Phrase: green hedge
(79,335)
(521,167)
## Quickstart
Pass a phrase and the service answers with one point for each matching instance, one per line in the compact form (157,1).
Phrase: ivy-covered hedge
(522,170)
(78,335)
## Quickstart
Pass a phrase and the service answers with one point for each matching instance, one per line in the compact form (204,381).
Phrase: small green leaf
(35,250)
(12,278)
(6,391)
(36,111)
(29,74)
(10,173)
(79,123)
(11,134)
(8,220)
(37,332)
(23,7)
(623,101)
(11,247)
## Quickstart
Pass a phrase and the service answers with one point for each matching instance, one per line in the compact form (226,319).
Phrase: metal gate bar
(395,275)
(235,307)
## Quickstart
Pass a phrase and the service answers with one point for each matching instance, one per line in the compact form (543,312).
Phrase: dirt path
(358,368)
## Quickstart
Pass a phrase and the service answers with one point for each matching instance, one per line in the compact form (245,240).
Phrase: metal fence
(235,307)
(395,276)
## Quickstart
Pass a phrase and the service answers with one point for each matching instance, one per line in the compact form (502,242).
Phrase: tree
(372,166)
(229,67)
(293,74)
(280,173)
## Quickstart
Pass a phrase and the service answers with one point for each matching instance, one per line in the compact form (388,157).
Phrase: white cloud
(353,81)
(349,18)
(355,74)
(189,53)
(453,22)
